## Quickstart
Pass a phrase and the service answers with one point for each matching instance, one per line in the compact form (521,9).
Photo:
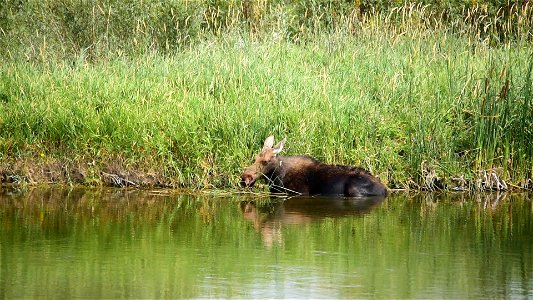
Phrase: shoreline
(112,175)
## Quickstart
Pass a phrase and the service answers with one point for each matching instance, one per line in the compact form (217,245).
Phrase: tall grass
(505,116)
(412,100)
(37,30)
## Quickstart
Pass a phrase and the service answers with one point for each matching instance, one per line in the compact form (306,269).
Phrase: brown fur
(305,175)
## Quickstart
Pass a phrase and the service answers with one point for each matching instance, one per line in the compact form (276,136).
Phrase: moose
(304,175)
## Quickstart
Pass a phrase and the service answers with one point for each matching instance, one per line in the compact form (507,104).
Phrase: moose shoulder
(305,175)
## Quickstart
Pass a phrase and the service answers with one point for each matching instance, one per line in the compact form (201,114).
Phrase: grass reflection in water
(58,242)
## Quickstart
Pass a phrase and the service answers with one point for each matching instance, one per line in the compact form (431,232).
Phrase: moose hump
(304,175)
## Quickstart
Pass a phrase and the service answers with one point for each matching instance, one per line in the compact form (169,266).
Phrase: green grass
(419,107)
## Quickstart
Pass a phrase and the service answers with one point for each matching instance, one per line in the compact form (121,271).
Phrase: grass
(419,107)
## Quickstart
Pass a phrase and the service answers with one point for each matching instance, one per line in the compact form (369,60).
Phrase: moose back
(304,175)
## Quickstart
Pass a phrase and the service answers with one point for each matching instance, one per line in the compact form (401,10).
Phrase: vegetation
(183,93)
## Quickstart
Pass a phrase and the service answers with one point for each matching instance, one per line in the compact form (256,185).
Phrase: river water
(61,242)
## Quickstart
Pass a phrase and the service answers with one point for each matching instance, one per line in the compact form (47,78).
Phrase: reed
(403,93)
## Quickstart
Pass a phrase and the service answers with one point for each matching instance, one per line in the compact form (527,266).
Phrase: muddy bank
(117,172)
(111,172)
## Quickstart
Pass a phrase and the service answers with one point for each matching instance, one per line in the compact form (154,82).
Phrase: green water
(88,243)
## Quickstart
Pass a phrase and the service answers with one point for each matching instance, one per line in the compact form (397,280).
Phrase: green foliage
(415,93)
(505,115)
(36,30)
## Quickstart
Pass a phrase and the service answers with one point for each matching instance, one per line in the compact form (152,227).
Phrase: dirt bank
(111,172)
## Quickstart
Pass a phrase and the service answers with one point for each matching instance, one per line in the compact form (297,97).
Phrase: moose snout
(247,180)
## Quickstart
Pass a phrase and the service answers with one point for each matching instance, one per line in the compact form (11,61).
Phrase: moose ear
(269,142)
(279,146)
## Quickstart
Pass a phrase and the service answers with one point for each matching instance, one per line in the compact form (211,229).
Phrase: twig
(271,183)
(119,181)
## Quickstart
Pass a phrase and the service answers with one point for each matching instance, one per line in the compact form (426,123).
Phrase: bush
(36,30)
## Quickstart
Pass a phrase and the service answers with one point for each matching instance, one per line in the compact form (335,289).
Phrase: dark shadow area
(309,208)
(268,218)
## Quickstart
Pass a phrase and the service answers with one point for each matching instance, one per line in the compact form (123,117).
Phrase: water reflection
(114,243)
(269,217)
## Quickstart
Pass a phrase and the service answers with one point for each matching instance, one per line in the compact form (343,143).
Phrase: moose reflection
(304,175)
(269,218)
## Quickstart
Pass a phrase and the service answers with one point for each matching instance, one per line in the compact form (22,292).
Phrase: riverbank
(420,107)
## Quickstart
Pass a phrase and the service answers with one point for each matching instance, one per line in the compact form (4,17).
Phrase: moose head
(265,161)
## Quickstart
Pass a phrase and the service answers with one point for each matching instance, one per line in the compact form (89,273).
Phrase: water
(93,243)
